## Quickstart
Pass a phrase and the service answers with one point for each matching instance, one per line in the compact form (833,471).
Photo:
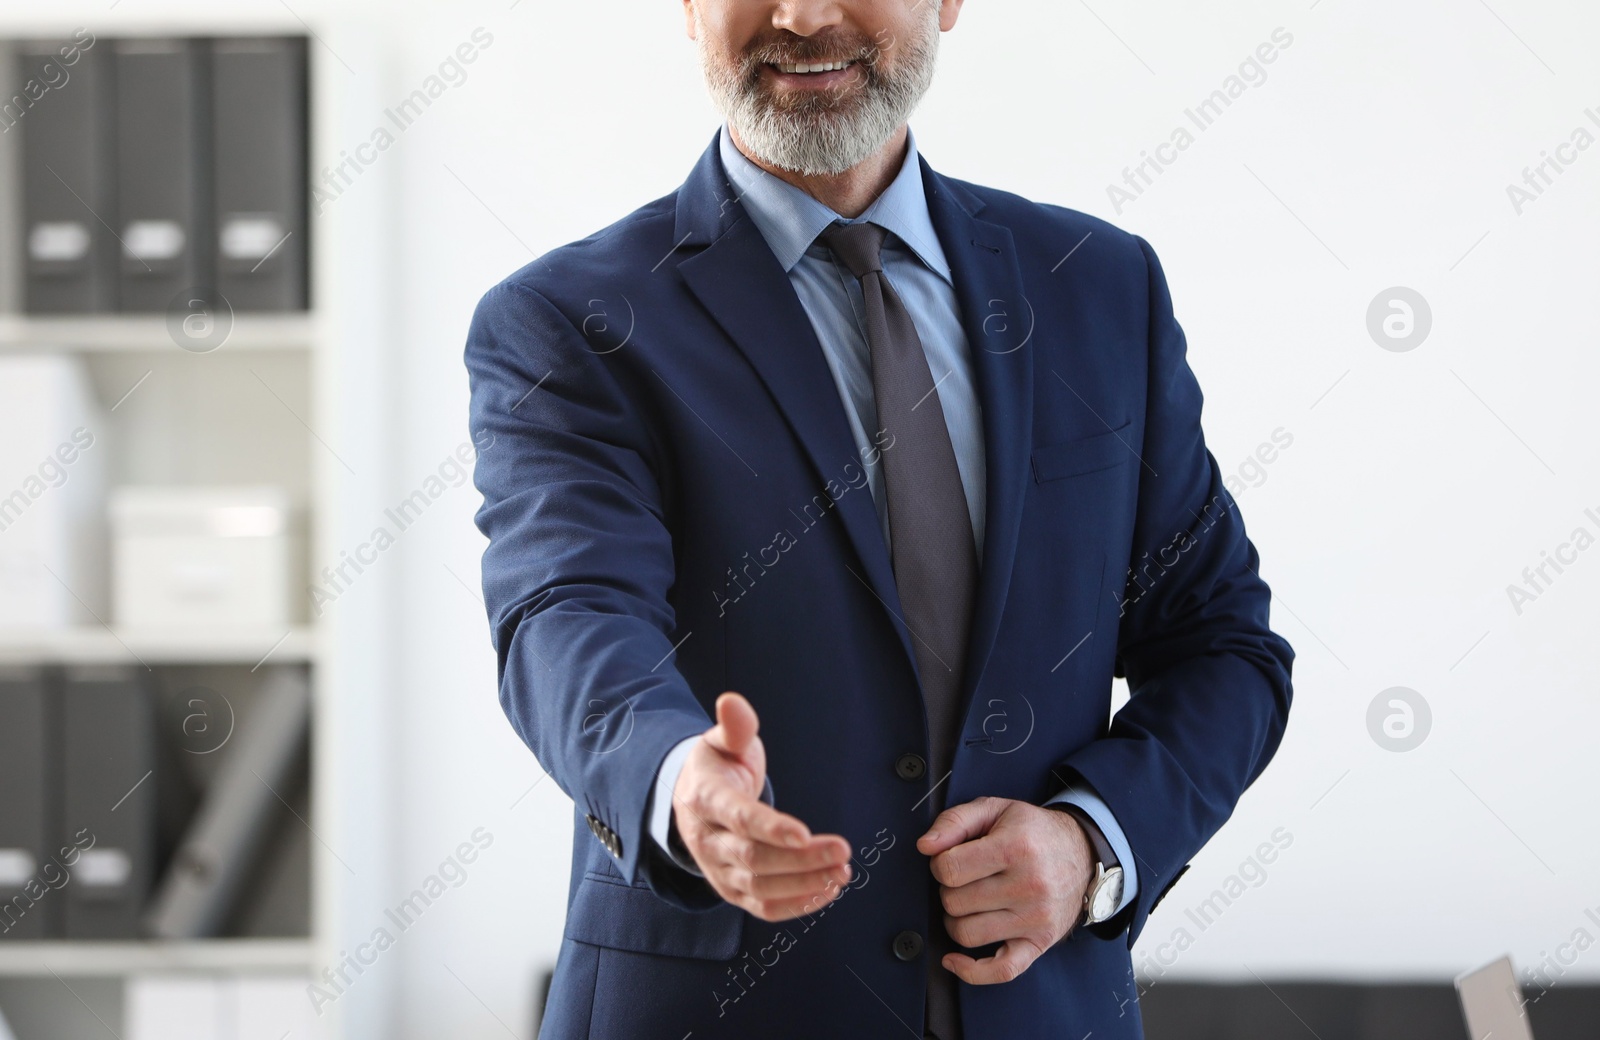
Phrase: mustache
(812,50)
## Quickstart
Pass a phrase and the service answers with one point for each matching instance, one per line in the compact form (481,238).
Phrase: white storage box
(190,557)
(53,445)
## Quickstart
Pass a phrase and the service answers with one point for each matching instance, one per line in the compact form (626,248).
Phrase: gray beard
(819,136)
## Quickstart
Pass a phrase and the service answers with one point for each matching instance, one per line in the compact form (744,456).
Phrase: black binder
(259,163)
(163,183)
(30,881)
(110,800)
(69,250)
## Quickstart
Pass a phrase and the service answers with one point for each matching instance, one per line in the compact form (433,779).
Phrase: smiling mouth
(810,68)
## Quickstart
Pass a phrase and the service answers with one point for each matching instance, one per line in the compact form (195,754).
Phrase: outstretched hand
(755,857)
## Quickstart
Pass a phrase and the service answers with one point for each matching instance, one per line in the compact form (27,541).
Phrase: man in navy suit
(825,499)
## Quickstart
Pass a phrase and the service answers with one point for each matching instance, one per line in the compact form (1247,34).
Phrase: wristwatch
(1104,894)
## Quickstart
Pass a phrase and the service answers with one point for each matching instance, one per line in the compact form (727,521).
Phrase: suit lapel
(998,321)
(733,273)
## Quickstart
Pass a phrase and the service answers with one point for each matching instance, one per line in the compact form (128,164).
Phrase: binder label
(58,242)
(16,867)
(104,868)
(250,236)
(52,877)
(147,240)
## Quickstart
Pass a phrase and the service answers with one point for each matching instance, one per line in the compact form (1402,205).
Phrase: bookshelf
(294,400)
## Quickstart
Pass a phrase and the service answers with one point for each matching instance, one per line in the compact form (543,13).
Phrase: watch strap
(1098,844)
(1105,859)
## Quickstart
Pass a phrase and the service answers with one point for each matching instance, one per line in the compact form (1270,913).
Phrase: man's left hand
(1008,872)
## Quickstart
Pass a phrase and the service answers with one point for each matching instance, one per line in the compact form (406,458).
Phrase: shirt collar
(790,220)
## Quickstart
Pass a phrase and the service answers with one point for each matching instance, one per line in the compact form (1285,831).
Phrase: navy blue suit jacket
(675,507)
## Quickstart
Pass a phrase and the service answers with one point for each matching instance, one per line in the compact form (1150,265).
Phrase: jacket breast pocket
(1084,455)
(615,914)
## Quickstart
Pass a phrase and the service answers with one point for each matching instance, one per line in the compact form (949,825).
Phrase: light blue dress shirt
(915,265)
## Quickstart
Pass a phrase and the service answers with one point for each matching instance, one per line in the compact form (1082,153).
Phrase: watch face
(1107,894)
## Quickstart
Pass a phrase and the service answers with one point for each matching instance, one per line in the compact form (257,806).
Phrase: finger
(750,817)
(778,887)
(1011,960)
(1001,891)
(736,725)
(973,861)
(821,852)
(991,926)
(787,909)
(961,823)
(729,848)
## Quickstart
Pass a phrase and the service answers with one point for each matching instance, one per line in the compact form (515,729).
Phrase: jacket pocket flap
(1084,455)
(625,917)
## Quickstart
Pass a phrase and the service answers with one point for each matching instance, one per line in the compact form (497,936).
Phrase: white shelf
(310,362)
(112,959)
(152,647)
(133,333)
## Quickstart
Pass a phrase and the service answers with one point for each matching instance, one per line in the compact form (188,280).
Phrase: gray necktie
(930,536)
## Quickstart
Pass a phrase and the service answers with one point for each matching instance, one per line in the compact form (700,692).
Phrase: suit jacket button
(910,767)
(907,945)
(594,824)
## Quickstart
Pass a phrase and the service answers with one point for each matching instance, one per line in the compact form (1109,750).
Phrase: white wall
(1417,487)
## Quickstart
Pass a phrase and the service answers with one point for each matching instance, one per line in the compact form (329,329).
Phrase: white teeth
(829,67)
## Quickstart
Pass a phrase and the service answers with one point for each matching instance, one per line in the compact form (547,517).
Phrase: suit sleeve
(576,573)
(1209,679)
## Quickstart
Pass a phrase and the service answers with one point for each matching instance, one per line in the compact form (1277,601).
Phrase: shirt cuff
(1097,810)
(658,808)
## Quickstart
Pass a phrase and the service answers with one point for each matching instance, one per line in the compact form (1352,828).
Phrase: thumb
(735,733)
(961,823)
